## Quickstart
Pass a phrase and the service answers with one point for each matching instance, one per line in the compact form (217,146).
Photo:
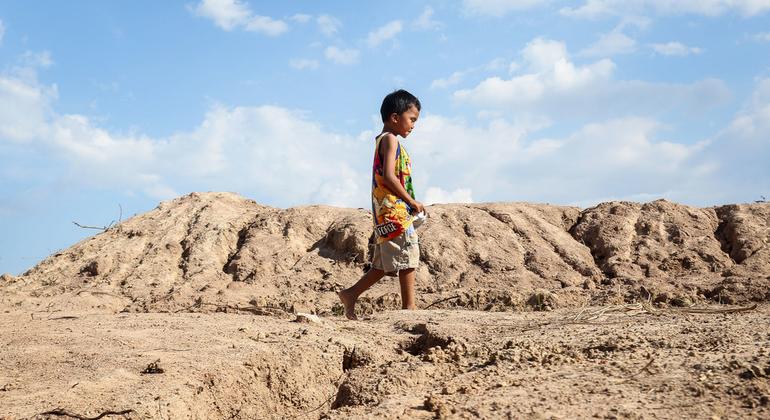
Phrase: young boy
(396,251)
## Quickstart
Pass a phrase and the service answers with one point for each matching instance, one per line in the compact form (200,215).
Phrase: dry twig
(62,412)
(715,310)
(442,300)
(256,310)
(104,228)
(646,307)
(91,227)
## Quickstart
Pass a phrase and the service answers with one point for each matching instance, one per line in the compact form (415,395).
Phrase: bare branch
(90,227)
(104,228)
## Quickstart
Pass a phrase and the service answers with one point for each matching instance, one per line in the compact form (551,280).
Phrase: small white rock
(307,318)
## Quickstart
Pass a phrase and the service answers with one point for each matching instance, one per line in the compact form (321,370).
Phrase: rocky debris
(307,318)
(7,278)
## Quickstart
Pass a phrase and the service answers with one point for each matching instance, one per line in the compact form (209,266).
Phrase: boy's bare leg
(406,279)
(351,294)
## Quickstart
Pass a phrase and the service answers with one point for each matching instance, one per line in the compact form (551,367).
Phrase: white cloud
(249,142)
(227,14)
(77,139)
(328,25)
(341,55)
(160,192)
(612,43)
(496,91)
(384,33)
(616,41)
(600,8)
(496,64)
(591,9)
(543,54)
(675,48)
(444,83)
(551,73)
(435,195)
(455,78)
(301,18)
(639,22)
(627,158)
(617,158)
(738,155)
(627,143)
(233,148)
(266,25)
(499,7)
(232,14)
(303,64)
(551,83)
(450,154)
(24,109)
(425,21)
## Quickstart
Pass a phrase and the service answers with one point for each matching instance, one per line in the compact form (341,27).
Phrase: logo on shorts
(385,228)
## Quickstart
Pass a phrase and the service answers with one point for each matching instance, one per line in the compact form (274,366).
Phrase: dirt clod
(153,368)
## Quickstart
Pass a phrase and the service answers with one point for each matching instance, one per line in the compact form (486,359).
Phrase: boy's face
(403,123)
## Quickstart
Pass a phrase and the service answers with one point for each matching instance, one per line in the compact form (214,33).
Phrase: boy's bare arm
(388,146)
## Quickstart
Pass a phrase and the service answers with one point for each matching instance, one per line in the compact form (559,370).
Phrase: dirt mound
(128,322)
(677,254)
(744,233)
(220,252)
(657,239)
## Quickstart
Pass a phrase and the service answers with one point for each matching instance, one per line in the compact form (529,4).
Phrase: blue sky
(108,104)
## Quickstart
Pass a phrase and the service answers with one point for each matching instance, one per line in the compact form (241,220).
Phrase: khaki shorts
(397,254)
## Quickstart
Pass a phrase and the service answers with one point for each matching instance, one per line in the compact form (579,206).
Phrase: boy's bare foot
(349,302)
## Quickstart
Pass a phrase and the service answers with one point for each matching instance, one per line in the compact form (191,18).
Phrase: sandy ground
(605,362)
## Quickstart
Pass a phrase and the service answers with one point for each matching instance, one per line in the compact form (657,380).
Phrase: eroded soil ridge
(213,251)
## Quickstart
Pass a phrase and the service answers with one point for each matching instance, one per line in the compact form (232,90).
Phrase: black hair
(398,102)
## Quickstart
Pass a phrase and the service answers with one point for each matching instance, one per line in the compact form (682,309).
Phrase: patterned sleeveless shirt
(392,216)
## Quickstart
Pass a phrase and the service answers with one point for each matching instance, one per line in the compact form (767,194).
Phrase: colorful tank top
(392,216)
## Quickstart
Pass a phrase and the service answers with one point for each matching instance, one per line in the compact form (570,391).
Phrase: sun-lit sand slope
(530,310)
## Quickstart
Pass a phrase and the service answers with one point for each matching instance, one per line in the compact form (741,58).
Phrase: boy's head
(397,103)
